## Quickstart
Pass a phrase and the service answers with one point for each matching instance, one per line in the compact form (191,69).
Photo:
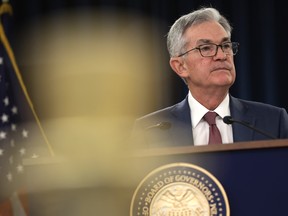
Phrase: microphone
(160,125)
(230,120)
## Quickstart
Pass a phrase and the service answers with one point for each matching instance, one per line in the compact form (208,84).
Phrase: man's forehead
(206,32)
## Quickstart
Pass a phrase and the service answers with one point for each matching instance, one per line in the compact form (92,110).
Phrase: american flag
(21,136)
(14,137)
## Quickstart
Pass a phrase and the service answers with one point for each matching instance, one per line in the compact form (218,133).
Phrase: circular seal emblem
(179,189)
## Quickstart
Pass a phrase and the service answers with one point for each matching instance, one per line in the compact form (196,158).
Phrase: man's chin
(225,80)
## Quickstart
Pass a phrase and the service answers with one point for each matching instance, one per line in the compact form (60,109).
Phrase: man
(201,53)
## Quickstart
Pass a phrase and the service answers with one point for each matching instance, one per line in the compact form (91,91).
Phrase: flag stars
(22,151)
(14,110)
(4,118)
(25,133)
(13,127)
(9,177)
(2,135)
(20,168)
(6,101)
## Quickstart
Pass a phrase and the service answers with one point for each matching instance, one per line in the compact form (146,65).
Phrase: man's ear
(179,66)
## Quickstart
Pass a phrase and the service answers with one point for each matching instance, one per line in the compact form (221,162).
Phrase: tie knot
(210,117)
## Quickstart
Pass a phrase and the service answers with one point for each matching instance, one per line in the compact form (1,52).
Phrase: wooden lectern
(253,174)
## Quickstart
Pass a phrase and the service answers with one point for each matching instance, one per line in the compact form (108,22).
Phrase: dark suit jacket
(268,118)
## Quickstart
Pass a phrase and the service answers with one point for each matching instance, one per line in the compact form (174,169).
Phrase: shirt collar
(197,110)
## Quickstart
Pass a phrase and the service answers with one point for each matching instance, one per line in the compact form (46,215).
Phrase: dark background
(259,27)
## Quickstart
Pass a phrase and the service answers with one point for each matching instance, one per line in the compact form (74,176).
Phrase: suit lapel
(182,128)
(241,113)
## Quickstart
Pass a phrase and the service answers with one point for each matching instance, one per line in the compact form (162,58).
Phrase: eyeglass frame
(234,45)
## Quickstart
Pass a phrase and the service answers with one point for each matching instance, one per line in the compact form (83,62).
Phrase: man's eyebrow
(202,41)
(226,39)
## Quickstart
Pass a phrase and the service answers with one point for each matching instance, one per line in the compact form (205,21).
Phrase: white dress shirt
(200,127)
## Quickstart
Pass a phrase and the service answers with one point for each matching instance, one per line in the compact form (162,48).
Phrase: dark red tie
(214,133)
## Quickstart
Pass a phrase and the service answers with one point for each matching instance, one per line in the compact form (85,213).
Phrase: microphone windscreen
(228,120)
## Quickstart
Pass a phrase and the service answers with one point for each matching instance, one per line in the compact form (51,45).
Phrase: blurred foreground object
(90,73)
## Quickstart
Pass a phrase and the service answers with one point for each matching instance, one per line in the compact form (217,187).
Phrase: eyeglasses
(210,49)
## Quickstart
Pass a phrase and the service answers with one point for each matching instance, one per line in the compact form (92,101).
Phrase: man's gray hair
(176,43)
